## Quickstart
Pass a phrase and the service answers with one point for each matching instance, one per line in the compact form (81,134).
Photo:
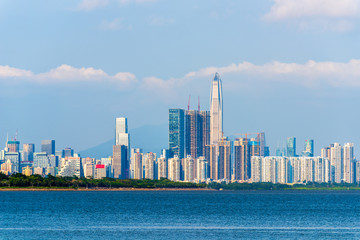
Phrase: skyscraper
(197,132)
(122,138)
(13,146)
(119,161)
(348,163)
(28,152)
(291,147)
(177,132)
(48,146)
(216,110)
(224,150)
(309,148)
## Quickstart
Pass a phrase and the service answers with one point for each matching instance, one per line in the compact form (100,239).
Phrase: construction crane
(246,134)
(189,103)
(199,103)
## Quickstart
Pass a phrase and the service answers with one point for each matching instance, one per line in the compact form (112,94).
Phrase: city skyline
(284,75)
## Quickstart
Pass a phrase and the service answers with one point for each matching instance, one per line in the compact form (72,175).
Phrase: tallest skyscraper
(216,110)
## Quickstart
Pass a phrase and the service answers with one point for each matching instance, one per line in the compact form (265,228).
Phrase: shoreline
(103,189)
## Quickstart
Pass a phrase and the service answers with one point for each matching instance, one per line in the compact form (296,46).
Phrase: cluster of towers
(195,133)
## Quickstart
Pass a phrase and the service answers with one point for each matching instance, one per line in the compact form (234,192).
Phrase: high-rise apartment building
(224,151)
(149,159)
(244,149)
(291,147)
(337,163)
(216,110)
(348,163)
(48,146)
(177,132)
(162,163)
(174,168)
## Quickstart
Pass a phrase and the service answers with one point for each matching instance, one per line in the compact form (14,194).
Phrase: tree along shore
(19,180)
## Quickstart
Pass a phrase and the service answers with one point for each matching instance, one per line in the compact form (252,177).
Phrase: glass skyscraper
(48,146)
(291,147)
(177,132)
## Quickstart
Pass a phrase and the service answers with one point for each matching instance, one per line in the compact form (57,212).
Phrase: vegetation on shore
(19,180)
(37,181)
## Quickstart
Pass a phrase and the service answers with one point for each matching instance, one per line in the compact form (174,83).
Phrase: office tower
(224,151)
(28,152)
(177,132)
(337,163)
(174,167)
(348,161)
(202,169)
(309,148)
(149,159)
(67,152)
(216,110)
(189,169)
(71,167)
(357,172)
(119,162)
(197,132)
(13,146)
(41,160)
(14,157)
(48,146)
(162,167)
(291,147)
(122,137)
(263,150)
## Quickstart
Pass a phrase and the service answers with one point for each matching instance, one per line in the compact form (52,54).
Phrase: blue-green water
(179,215)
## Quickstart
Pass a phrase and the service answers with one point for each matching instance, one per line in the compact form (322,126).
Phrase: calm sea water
(180,215)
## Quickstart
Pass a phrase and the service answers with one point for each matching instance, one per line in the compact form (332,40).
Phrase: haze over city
(69,68)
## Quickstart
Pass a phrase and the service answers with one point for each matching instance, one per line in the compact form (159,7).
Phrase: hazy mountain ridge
(151,138)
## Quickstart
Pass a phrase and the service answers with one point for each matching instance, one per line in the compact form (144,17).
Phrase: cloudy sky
(289,67)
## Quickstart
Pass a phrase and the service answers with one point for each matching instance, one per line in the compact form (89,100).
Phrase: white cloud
(88,5)
(111,25)
(66,73)
(334,15)
(8,72)
(124,2)
(309,74)
(286,9)
(160,21)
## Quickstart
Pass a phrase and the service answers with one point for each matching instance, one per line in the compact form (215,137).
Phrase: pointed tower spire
(216,110)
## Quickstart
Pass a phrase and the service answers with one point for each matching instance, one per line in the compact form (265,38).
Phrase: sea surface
(180,215)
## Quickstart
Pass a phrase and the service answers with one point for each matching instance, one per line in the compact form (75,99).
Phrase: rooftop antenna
(16,134)
(189,102)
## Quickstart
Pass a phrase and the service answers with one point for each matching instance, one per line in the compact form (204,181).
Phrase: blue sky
(289,67)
